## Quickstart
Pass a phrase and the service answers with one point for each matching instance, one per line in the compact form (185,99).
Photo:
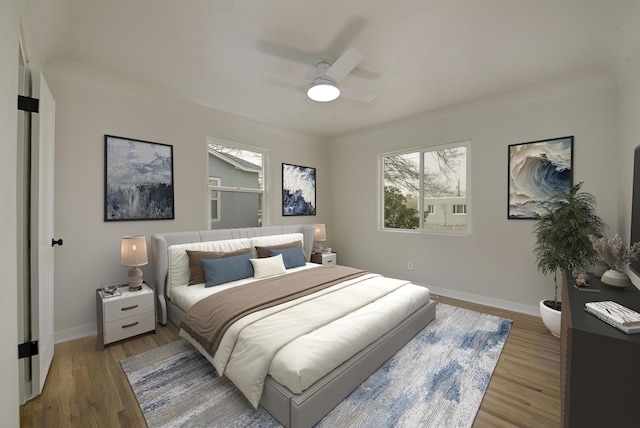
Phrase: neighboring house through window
(236,183)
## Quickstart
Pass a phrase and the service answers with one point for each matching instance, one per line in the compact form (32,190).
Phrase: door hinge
(27,349)
(29,104)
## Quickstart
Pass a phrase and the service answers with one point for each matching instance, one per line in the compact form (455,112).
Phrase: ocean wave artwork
(298,190)
(537,171)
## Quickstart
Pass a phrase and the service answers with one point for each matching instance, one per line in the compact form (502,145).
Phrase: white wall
(628,73)
(495,264)
(90,104)
(9,42)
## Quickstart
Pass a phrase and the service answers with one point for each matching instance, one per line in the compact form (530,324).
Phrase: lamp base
(317,247)
(135,279)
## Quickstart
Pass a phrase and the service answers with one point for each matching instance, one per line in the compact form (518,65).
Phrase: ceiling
(419,56)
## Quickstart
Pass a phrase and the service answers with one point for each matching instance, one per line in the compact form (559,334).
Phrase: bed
(327,355)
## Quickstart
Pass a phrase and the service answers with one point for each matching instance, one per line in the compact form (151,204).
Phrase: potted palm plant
(563,244)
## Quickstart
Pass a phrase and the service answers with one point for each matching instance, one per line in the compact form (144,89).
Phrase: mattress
(299,342)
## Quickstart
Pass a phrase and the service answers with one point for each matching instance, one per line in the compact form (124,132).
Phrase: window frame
(264,213)
(421,203)
(212,188)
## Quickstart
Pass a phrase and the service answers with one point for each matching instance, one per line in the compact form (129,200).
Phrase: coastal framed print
(537,171)
(138,180)
(298,190)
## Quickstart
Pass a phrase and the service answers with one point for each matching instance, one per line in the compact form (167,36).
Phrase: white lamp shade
(320,233)
(133,251)
(323,92)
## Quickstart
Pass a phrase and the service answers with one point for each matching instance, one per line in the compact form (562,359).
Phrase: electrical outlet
(410,265)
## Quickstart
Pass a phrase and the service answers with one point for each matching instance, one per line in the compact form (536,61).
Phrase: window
(460,209)
(431,181)
(236,185)
(215,198)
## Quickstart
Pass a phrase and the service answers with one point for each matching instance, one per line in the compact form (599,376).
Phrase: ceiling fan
(326,84)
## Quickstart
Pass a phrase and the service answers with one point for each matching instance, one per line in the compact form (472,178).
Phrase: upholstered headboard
(160,243)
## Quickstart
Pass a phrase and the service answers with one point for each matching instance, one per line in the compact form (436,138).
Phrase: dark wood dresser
(599,365)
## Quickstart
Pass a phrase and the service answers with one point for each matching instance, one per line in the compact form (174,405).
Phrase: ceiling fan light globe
(323,92)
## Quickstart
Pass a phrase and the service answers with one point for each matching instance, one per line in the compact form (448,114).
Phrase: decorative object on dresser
(133,253)
(319,235)
(615,253)
(138,183)
(615,314)
(298,190)
(537,170)
(562,243)
(125,315)
(598,363)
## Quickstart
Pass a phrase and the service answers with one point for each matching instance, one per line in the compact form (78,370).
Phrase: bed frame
(292,410)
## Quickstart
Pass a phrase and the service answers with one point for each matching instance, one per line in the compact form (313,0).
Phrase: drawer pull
(131,325)
(128,308)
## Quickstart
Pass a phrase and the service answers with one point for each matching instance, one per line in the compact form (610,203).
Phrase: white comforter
(299,342)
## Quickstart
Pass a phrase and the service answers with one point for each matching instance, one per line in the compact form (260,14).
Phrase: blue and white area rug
(437,380)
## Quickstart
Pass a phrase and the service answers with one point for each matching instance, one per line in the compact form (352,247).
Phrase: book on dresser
(616,315)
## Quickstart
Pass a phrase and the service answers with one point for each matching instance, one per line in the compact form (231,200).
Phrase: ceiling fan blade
(344,65)
(285,78)
(307,104)
(356,94)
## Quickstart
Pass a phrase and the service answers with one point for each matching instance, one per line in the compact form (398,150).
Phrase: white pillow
(179,261)
(268,266)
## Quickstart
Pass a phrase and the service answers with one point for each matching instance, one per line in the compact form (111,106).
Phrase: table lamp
(133,254)
(319,235)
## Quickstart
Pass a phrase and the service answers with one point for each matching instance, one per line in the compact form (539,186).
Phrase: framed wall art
(298,190)
(538,170)
(138,183)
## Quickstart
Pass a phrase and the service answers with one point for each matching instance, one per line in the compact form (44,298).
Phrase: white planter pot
(550,318)
(616,278)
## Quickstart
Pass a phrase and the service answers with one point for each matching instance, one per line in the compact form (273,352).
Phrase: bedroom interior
(570,69)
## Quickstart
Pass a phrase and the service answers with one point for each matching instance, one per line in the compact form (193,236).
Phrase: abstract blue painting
(298,190)
(138,180)
(537,171)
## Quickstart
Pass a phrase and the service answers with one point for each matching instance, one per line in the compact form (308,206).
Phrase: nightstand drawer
(117,308)
(327,259)
(128,327)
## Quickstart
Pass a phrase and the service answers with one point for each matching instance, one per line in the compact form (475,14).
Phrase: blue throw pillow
(219,271)
(292,257)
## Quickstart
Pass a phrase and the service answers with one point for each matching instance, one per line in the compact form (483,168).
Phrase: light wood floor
(87,388)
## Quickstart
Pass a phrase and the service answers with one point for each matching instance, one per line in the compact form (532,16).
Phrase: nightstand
(324,258)
(124,316)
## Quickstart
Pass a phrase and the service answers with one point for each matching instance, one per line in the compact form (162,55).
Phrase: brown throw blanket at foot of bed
(207,320)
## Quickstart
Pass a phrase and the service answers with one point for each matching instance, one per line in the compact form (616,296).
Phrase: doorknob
(54,242)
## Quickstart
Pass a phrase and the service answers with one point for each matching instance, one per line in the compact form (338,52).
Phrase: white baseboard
(487,301)
(75,333)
